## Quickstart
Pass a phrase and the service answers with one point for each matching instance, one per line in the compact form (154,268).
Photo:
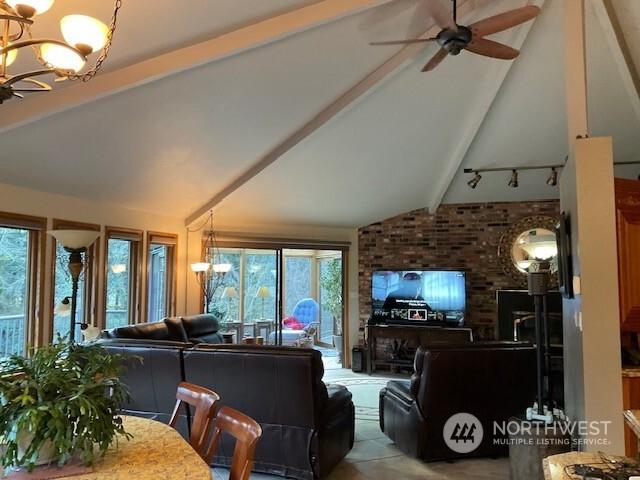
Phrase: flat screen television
(419,295)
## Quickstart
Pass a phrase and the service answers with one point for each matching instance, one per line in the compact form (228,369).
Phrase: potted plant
(331,285)
(60,403)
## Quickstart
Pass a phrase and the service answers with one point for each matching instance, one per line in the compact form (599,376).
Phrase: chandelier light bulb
(30,8)
(85,33)
(62,58)
(11,57)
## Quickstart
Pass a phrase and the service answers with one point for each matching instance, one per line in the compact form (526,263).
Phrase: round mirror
(527,240)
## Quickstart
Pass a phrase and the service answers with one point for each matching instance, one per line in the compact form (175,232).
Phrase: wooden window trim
(136,238)
(92,257)
(169,240)
(37,227)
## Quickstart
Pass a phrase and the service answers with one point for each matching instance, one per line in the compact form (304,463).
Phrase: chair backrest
(246,432)
(306,311)
(204,401)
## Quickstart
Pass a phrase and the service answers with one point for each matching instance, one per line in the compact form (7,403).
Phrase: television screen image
(419,295)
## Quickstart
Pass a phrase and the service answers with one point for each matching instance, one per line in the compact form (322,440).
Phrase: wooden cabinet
(630,401)
(628,227)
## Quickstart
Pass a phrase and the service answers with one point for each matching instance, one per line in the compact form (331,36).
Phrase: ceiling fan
(454,38)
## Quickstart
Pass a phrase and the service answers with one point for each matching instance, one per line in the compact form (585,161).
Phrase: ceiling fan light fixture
(62,58)
(552,181)
(85,33)
(473,183)
(30,8)
(513,182)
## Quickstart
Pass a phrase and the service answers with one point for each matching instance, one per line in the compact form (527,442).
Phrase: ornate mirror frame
(511,235)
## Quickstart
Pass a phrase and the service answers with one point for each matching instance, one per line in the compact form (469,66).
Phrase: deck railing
(12,330)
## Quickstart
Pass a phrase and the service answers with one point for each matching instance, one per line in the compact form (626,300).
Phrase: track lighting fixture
(473,183)
(552,181)
(513,182)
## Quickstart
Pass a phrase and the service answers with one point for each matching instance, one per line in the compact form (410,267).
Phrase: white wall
(593,381)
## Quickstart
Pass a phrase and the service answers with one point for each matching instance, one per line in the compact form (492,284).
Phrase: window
(162,275)
(225,303)
(62,284)
(122,302)
(297,280)
(260,277)
(21,253)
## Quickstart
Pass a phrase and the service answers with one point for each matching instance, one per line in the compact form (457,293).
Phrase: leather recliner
(493,381)
(308,427)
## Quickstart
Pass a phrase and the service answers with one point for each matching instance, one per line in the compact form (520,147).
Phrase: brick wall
(464,236)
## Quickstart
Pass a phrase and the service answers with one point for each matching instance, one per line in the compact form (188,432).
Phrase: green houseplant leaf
(64,399)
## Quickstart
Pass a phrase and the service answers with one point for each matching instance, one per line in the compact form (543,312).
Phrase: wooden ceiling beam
(620,51)
(18,113)
(472,124)
(346,100)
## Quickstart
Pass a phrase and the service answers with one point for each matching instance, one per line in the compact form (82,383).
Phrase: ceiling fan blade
(504,21)
(489,48)
(435,60)
(403,42)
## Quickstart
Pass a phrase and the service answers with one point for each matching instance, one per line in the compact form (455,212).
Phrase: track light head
(552,181)
(513,182)
(473,183)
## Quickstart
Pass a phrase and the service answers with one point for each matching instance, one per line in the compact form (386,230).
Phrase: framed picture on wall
(565,256)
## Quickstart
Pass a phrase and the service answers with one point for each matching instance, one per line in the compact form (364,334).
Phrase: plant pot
(337,344)
(47,453)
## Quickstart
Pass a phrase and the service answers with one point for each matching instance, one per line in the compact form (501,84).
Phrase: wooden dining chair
(204,402)
(246,432)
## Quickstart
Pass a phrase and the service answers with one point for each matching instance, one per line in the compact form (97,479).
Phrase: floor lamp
(75,242)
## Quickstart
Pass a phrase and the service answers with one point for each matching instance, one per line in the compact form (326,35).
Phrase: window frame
(136,239)
(91,258)
(169,240)
(36,250)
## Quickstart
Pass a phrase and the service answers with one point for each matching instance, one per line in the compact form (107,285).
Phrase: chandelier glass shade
(67,59)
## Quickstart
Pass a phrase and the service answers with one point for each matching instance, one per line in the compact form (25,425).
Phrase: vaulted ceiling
(281,112)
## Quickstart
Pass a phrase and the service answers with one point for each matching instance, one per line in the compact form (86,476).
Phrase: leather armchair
(493,381)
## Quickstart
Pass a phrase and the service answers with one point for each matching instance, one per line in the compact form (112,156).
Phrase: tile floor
(374,457)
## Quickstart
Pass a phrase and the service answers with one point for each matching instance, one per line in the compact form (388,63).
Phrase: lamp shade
(63,309)
(230,292)
(541,247)
(75,239)
(30,8)
(119,268)
(200,267)
(263,292)
(85,33)
(90,333)
(62,57)
(222,267)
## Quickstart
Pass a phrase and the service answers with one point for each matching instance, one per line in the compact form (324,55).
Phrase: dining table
(155,452)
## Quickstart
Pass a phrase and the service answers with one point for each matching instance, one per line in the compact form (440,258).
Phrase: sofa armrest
(339,400)
(400,390)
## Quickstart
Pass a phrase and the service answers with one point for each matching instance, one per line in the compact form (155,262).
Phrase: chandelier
(210,272)
(83,36)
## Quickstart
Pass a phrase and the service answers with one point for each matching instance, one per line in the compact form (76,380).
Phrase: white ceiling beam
(476,116)
(346,100)
(575,65)
(619,48)
(19,113)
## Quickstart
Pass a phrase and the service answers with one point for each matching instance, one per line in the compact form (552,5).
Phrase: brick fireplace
(461,236)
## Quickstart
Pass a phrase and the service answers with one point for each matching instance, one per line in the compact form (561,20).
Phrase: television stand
(415,336)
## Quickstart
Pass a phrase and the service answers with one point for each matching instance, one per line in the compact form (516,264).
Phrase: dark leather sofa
(203,328)
(493,381)
(308,427)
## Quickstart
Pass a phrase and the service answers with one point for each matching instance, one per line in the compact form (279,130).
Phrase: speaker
(357,360)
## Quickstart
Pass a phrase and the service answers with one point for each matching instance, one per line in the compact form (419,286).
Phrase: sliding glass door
(305,285)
